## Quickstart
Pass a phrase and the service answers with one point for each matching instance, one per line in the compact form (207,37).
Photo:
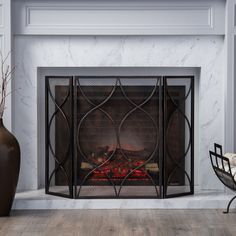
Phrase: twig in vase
(6,76)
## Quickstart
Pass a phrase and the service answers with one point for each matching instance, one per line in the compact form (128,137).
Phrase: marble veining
(206,52)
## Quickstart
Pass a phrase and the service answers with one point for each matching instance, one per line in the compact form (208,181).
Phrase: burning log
(119,166)
(86,165)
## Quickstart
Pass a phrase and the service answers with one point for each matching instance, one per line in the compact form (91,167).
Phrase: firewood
(86,165)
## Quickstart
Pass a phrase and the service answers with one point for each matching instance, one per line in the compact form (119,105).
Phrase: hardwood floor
(118,222)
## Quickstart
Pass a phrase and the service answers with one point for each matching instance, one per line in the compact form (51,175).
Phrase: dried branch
(6,76)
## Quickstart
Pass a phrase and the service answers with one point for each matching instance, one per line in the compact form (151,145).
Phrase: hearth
(119,137)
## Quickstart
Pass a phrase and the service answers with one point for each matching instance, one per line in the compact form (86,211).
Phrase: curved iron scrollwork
(117,130)
(139,107)
(60,160)
(95,107)
(65,157)
(178,164)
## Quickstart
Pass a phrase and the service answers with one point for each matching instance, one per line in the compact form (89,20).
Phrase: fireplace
(119,137)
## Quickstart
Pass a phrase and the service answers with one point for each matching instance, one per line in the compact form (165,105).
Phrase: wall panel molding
(123,18)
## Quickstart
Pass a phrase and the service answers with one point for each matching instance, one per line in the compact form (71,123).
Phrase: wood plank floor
(118,222)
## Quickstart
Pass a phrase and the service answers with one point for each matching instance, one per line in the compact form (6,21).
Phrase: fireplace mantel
(183,33)
(132,17)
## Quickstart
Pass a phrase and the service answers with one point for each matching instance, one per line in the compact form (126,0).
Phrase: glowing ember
(120,164)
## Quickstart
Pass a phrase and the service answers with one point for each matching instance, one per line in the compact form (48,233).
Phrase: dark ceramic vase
(9,169)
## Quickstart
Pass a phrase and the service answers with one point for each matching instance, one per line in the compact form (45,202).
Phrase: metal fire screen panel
(119,137)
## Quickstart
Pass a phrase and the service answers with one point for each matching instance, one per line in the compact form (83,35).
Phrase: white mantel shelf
(132,17)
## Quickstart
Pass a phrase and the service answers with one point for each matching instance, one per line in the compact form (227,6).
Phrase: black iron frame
(222,168)
(47,135)
(163,93)
(137,106)
(190,146)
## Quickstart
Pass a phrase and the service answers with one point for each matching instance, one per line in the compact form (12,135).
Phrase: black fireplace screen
(119,137)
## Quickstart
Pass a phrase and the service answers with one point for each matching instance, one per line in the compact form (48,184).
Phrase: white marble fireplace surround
(34,53)
(55,37)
